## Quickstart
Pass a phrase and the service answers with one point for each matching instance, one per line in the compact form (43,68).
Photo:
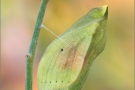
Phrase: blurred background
(113,69)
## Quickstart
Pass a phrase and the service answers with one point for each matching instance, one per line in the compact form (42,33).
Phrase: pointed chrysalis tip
(105,10)
(105,7)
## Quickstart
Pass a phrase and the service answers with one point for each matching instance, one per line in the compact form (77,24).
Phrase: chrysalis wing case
(67,60)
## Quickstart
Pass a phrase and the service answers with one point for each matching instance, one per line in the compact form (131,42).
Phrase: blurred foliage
(113,69)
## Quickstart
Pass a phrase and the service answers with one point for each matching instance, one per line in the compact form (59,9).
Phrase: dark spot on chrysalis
(56,81)
(62,81)
(61,50)
(50,81)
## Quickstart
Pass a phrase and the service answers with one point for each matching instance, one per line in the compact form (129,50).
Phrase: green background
(113,69)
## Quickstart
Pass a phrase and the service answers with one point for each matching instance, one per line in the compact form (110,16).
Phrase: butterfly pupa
(65,66)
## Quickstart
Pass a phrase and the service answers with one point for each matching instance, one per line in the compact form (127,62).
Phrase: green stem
(33,44)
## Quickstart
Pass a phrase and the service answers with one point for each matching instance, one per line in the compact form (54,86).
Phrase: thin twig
(33,44)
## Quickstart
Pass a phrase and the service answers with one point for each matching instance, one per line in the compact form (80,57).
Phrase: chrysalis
(65,66)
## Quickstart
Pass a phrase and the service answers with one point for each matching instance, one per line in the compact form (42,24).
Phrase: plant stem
(33,44)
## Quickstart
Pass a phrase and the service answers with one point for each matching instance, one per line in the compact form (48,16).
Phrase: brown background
(113,69)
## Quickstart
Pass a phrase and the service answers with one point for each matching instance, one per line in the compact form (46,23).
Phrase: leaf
(67,60)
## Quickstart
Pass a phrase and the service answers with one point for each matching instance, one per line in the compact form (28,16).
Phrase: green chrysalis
(65,66)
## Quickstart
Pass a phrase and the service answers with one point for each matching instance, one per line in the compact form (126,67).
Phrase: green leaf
(66,62)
